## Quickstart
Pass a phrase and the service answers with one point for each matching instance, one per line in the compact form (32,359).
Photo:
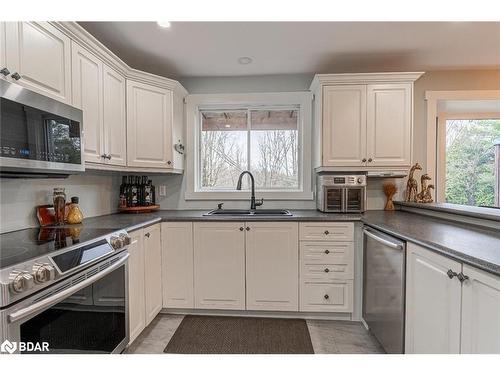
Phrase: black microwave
(38,135)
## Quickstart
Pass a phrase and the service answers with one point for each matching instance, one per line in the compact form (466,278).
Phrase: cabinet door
(152,261)
(137,311)
(2,48)
(41,55)
(177,260)
(114,117)
(87,95)
(480,312)
(219,265)
(433,303)
(389,114)
(149,126)
(272,270)
(344,125)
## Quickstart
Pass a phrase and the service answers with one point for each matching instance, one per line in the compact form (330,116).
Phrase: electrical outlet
(162,190)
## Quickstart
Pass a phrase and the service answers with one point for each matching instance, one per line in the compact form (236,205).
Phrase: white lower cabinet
(445,315)
(145,284)
(152,279)
(177,264)
(272,262)
(137,310)
(219,265)
(433,303)
(480,312)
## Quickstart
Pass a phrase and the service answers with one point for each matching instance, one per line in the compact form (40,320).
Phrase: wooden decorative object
(139,209)
(412,185)
(389,190)
(420,197)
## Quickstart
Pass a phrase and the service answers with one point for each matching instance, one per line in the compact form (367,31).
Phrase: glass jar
(75,215)
(59,199)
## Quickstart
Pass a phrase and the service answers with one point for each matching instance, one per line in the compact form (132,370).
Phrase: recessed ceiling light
(164,24)
(245,60)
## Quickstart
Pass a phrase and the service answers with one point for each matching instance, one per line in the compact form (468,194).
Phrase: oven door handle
(56,298)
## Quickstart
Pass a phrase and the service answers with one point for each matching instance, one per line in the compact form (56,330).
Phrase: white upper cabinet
(389,114)
(219,265)
(87,95)
(38,57)
(149,126)
(114,117)
(363,120)
(480,312)
(433,302)
(272,264)
(344,125)
(177,261)
(4,73)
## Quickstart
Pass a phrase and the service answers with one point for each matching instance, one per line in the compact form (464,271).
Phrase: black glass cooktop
(23,245)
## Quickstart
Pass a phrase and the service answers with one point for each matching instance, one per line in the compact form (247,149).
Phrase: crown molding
(81,36)
(364,78)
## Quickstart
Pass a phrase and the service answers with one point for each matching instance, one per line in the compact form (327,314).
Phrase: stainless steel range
(65,288)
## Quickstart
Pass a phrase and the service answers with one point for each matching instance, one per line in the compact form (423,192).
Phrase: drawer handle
(327,252)
(327,270)
(327,233)
(326,296)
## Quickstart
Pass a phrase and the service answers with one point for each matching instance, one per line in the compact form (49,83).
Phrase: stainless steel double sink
(261,212)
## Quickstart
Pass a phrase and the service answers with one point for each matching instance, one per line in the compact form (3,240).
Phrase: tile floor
(328,337)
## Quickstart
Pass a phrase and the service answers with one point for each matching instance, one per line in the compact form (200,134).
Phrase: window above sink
(268,134)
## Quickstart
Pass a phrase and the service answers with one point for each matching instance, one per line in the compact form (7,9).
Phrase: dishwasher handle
(394,245)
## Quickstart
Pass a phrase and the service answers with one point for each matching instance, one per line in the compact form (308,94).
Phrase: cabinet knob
(108,157)
(462,277)
(363,160)
(147,235)
(5,72)
(247,228)
(327,251)
(327,233)
(370,160)
(451,274)
(326,296)
(242,229)
(169,162)
(327,270)
(16,76)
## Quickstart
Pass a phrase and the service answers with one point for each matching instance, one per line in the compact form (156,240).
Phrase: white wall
(18,197)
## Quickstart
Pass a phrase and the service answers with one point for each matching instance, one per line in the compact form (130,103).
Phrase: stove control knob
(20,281)
(43,272)
(116,242)
(126,239)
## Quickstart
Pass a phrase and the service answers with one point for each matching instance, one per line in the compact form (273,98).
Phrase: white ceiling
(190,49)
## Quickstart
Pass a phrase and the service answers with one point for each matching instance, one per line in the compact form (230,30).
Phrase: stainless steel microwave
(38,135)
(341,193)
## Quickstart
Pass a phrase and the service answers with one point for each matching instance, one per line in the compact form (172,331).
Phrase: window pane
(274,148)
(223,148)
(470,162)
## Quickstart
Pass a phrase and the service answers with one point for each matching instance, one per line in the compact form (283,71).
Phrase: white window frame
(197,102)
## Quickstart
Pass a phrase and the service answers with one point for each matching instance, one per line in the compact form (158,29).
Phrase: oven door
(333,199)
(86,313)
(354,199)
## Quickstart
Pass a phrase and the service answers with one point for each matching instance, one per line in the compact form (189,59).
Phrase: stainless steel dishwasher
(384,262)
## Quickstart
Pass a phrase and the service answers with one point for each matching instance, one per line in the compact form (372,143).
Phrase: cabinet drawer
(335,296)
(326,252)
(327,231)
(326,272)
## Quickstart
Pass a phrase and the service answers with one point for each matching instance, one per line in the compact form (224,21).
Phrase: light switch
(162,190)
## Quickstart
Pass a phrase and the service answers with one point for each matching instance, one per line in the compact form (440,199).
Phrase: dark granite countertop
(473,245)
(470,244)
